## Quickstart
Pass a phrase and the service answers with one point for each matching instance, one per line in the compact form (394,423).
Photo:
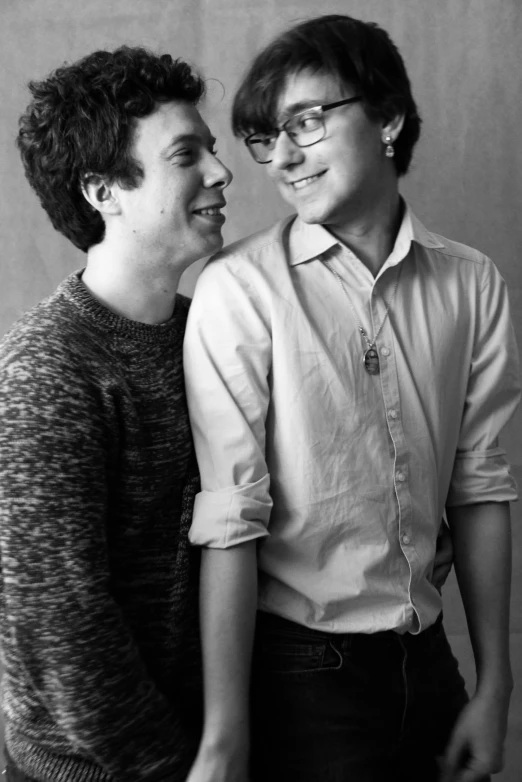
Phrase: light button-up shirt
(343,476)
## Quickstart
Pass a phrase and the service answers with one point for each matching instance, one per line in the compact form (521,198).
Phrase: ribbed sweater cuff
(40,763)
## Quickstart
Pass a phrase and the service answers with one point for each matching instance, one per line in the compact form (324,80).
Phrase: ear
(393,127)
(101,195)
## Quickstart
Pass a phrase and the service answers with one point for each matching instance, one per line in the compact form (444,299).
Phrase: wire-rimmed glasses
(304,129)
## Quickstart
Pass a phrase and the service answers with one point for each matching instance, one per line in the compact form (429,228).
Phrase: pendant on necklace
(371,361)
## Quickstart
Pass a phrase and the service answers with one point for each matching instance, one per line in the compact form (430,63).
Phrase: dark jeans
(353,707)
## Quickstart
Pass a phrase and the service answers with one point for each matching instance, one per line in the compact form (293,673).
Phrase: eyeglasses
(304,129)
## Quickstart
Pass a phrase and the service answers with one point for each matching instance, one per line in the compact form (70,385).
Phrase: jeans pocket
(289,658)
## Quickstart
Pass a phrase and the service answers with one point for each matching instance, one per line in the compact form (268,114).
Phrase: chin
(215,247)
(312,212)
(312,216)
(210,246)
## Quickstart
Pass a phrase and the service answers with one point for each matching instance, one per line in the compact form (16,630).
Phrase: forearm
(482,548)
(228,611)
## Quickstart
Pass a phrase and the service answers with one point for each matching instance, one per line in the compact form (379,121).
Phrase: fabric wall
(465,60)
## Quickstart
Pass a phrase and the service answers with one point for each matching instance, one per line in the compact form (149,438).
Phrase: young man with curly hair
(97,472)
(348,374)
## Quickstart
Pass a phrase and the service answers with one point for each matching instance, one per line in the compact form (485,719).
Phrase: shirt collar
(307,241)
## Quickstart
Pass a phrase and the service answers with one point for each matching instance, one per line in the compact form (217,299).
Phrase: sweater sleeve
(65,630)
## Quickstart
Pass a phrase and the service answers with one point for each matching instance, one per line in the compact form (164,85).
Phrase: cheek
(278,180)
(273,173)
(369,145)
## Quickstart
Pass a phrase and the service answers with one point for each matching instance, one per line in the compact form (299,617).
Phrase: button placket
(391,399)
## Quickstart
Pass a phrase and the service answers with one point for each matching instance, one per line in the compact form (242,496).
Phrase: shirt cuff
(481,476)
(229,517)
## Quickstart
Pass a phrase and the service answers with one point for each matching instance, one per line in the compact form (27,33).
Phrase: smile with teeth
(211,210)
(300,183)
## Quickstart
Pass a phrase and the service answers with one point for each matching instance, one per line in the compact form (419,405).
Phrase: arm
(443,557)
(65,630)
(227,361)
(228,610)
(478,515)
(482,545)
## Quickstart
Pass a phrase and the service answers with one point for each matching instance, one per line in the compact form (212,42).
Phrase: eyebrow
(184,138)
(296,108)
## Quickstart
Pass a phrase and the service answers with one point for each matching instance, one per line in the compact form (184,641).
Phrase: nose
(216,174)
(286,152)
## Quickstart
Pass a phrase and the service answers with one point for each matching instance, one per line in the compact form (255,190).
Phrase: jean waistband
(267,622)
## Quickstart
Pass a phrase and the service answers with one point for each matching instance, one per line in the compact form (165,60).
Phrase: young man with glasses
(348,374)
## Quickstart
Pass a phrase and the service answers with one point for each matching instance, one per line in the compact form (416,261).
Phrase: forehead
(168,122)
(306,88)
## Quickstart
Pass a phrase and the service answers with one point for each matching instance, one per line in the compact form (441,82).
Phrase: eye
(184,153)
(263,141)
(307,123)
(184,156)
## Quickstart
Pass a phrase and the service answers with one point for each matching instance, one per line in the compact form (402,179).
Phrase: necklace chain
(370,342)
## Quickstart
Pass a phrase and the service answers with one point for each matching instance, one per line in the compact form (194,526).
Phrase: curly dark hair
(80,122)
(357,53)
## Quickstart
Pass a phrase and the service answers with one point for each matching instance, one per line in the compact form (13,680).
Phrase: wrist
(497,685)
(226,756)
(217,741)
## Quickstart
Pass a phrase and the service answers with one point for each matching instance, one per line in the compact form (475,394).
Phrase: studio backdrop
(465,62)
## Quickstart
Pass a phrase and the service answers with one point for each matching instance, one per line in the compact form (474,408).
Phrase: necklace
(370,356)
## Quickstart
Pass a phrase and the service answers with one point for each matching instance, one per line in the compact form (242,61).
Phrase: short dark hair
(80,122)
(358,53)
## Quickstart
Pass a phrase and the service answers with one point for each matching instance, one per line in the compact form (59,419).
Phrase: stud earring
(389,151)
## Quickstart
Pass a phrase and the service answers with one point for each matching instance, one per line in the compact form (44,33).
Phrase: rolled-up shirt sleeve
(481,471)
(227,359)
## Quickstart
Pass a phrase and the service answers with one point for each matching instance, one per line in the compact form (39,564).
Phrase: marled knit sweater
(98,583)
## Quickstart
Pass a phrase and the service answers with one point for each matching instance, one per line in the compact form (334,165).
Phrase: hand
(443,557)
(475,749)
(212,765)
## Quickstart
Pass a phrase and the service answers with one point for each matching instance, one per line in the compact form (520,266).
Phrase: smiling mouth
(300,184)
(210,211)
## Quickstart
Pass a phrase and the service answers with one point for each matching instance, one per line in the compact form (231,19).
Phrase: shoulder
(438,247)
(247,271)
(471,265)
(459,251)
(38,332)
(49,344)
(455,260)
(257,249)
(52,384)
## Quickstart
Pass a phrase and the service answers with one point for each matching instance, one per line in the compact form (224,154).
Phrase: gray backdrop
(465,61)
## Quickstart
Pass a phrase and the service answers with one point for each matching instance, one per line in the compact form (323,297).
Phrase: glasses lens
(261,146)
(305,129)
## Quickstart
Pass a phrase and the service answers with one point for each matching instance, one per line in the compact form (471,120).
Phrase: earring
(389,151)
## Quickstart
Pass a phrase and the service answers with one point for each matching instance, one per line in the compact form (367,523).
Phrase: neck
(371,236)
(129,286)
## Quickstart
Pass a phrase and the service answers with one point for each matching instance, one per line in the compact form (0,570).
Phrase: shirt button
(405,539)
(385,351)
(400,476)
(393,414)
